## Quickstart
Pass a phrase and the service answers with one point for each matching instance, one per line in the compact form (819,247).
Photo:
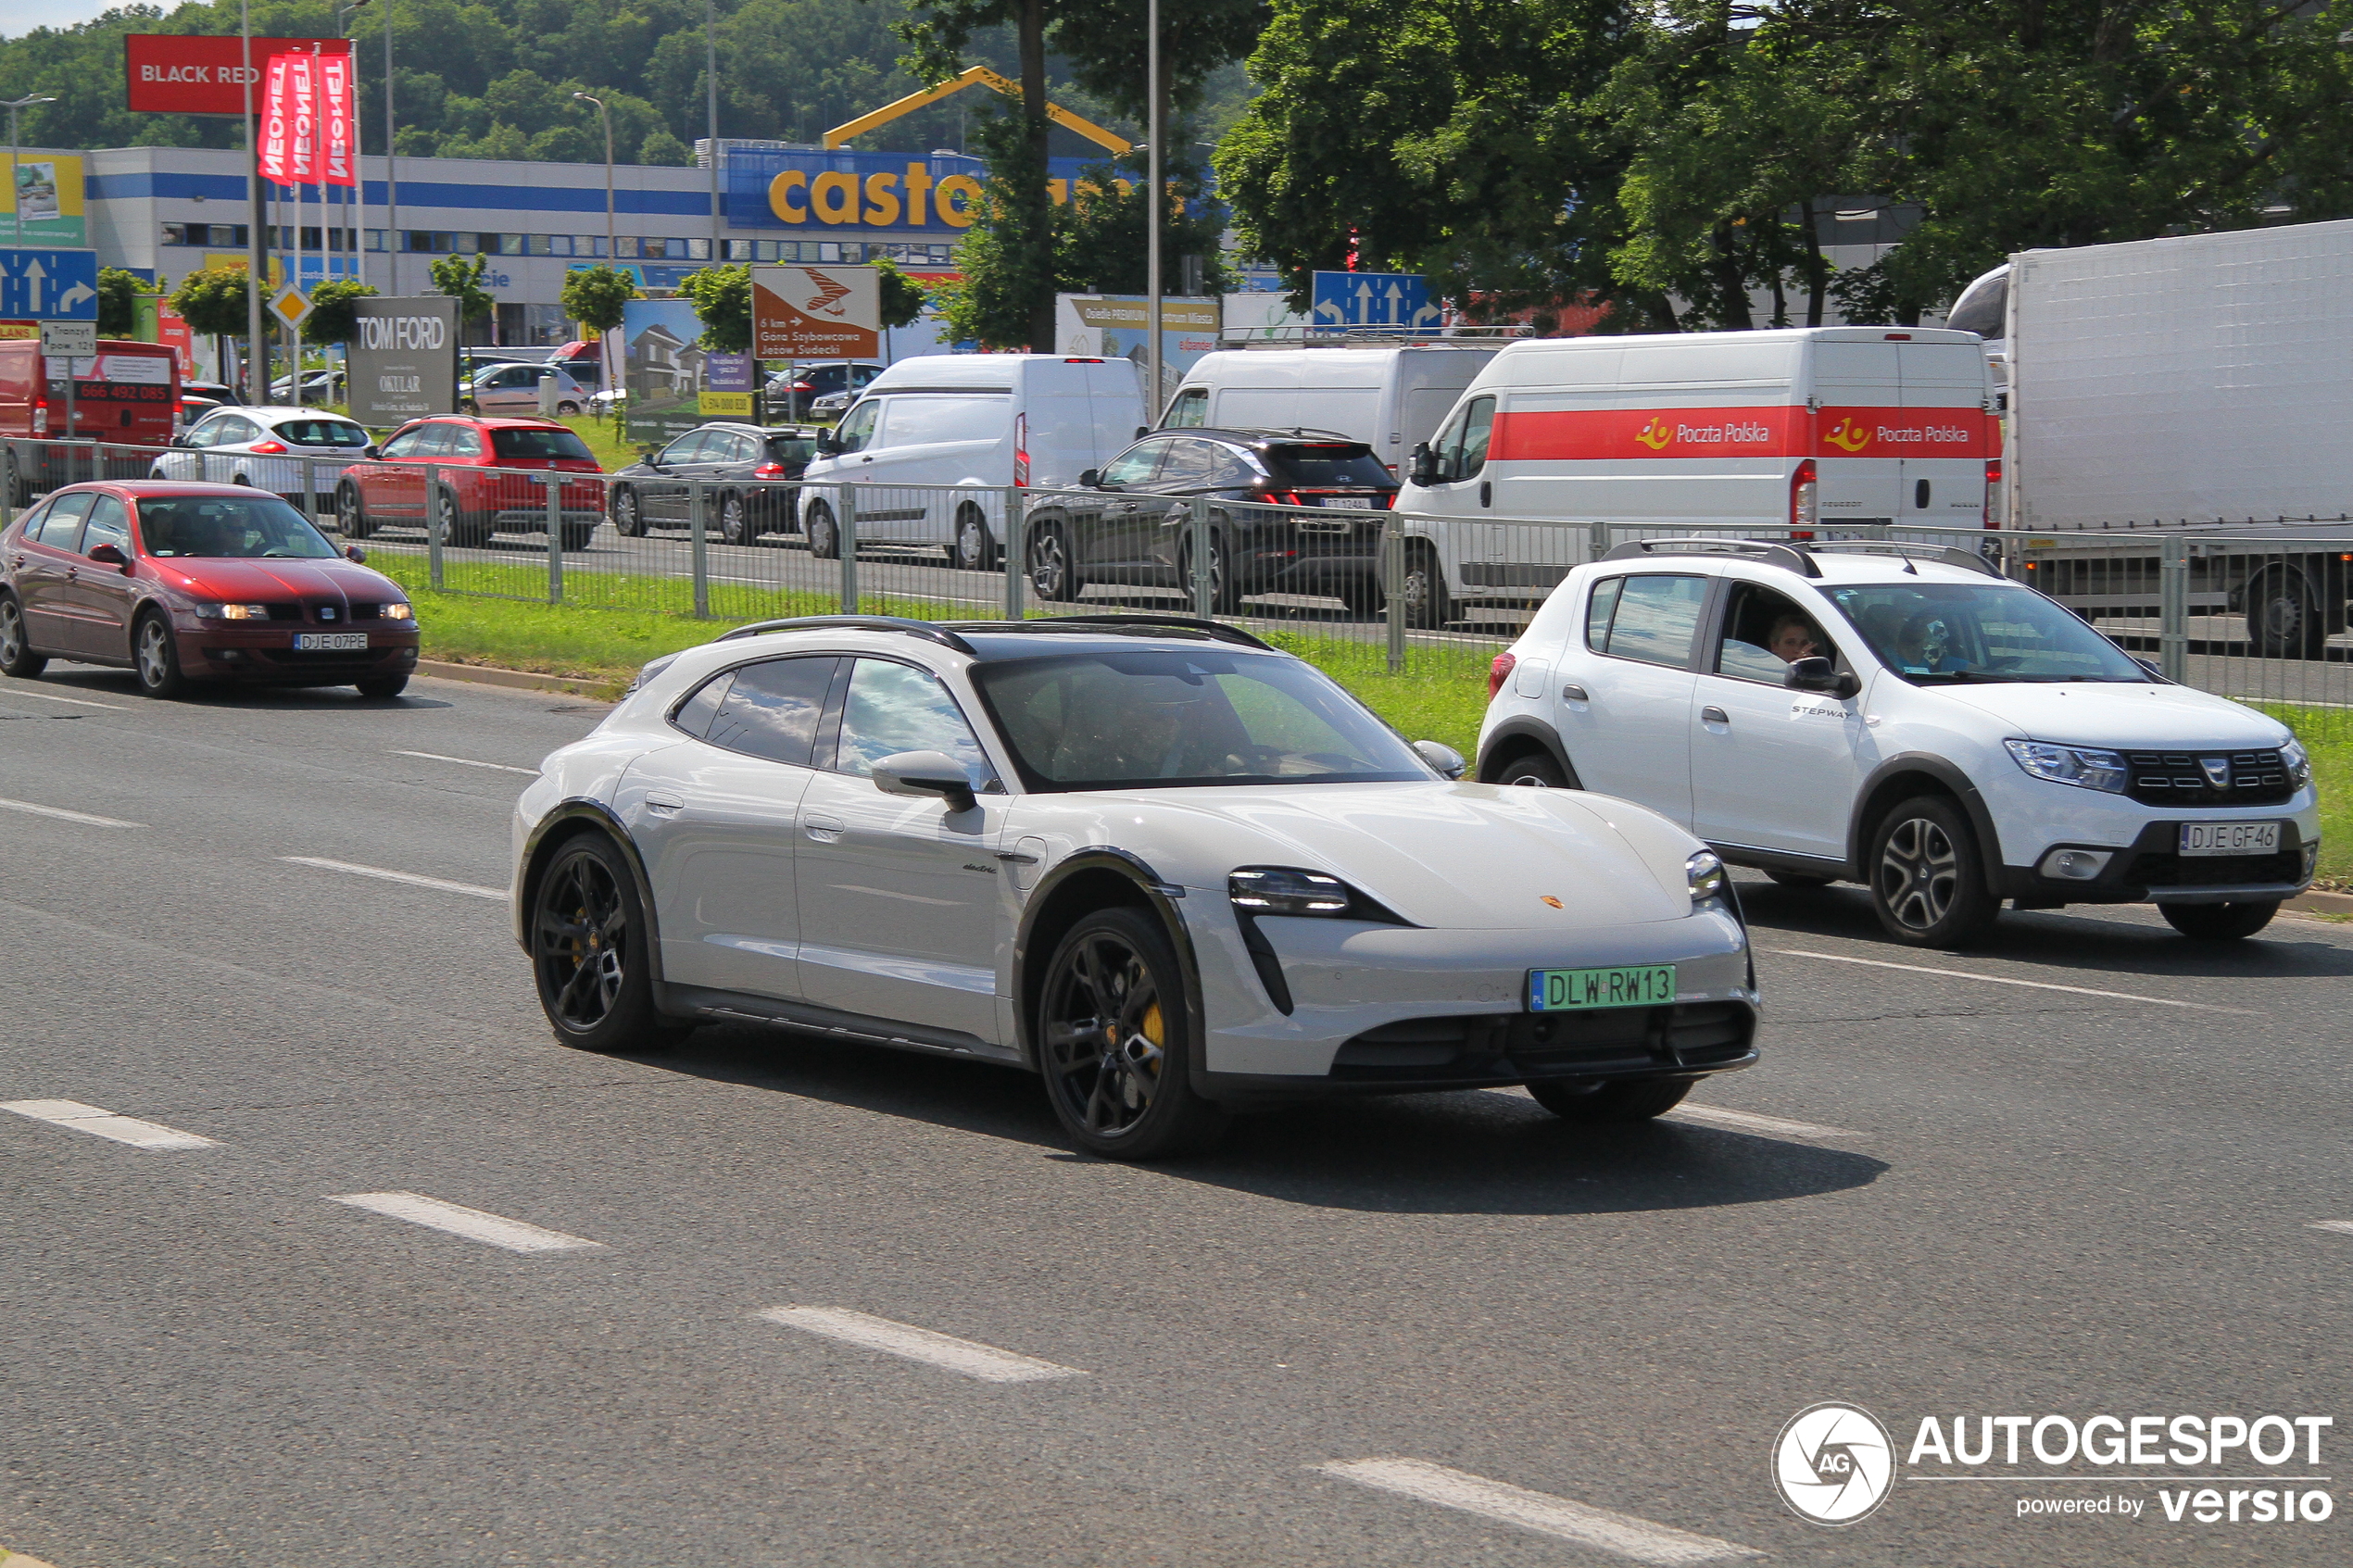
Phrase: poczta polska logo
(1833,1463)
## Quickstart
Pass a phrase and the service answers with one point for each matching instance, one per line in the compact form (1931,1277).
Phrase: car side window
(693,715)
(405,445)
(1230,470)
(461,441)
(771,709)
(233,432)
(893,707)
(1655,619)
(1467,455)
(61,529)
(1191,411)
(207,434)
(109,524)
(1136,466)
(1763,634)
(742,449)
(1598,610)
(858,426)
(432,440)
(681,450)
(1188,466)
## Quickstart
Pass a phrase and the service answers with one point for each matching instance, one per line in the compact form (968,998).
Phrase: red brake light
(1898,337)
(1498,672)
(269,446)
(1280,498)
(769,471)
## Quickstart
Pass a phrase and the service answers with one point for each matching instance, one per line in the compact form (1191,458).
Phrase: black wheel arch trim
(1524,728)
(1861,822)
(598,815)
(1159,895)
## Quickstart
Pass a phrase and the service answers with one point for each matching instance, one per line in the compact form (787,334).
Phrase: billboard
(45,206)
(404,363)
(816,312)
(169,73)
(664,367)
(1115,326)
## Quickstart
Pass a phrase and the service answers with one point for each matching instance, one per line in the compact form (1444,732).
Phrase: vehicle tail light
(1021,450)
(1498,672)
(1280,498)
(272,447)
(1993,492)
(41,415)
(769,471)
(1805,498)
(1082,362)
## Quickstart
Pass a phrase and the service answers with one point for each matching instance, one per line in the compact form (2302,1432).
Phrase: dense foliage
(117,295)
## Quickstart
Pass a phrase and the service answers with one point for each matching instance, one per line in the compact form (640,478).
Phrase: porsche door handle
(1712,714)
(824,830)
(664,803)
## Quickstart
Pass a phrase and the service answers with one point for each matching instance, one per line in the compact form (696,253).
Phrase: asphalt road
(1974,1195)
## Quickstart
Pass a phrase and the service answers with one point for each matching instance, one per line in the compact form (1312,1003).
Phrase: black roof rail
(929,630)
(1944,555)
(1217,630)
(1768,552)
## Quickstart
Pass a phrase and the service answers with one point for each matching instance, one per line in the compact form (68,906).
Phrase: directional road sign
(70,339)
(57,286)
(1372,299)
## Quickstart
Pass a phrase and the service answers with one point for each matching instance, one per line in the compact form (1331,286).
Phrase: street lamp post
(256,265)
(355,228)
(16,196)
(1154,197)
(604,345)
(710,78)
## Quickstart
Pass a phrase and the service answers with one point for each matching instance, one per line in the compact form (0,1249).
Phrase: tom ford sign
(404,363)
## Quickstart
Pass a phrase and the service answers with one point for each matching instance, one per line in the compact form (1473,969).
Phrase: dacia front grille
(2208,778)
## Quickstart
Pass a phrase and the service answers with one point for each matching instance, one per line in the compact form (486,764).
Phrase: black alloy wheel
(628,521)
(735,524)
(1927,877)
(825,536)
(1621,1099)
(568,408)
(589,938)
(17,656)
(1534,770)
(351,518)
(1053,576)
(1115,1041)
(974,549)
(12,480)
(156,656)
(1225,588)
(2220,922)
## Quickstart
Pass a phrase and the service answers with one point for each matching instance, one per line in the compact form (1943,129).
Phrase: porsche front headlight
(1286,890)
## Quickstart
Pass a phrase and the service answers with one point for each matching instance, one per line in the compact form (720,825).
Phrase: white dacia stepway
(1900,716)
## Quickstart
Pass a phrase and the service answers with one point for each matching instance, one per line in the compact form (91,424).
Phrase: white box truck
(2200,384)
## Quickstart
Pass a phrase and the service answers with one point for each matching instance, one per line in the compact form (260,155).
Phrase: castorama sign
(854,194)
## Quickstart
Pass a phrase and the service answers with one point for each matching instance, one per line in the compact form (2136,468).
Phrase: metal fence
(1375,595)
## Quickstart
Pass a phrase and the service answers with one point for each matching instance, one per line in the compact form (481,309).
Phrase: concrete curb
(491,675)
(2321,903)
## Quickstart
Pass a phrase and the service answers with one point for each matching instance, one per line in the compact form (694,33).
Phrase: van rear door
(1859,472)
(1949,435)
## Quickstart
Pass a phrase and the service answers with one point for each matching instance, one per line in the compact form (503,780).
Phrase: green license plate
(1572,990)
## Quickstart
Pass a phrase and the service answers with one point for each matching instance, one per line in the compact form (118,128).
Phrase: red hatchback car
(449,455)
(183,582)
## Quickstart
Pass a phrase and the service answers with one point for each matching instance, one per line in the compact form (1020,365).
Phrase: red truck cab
(127,394)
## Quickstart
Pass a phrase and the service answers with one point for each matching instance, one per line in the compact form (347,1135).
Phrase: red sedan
(183,582)
(440,469)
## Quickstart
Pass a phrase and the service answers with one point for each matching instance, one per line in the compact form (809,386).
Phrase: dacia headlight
(2082,766)
(2298,763)
(1707,876)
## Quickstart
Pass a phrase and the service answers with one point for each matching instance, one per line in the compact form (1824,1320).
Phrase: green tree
(462,280)
(594,297)
(334,316)
(1101,241)
(214,303)
(902,297)
(117,295)
(722,297)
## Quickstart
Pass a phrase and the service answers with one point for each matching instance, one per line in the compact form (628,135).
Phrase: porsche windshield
(1166,718)
(1935,634)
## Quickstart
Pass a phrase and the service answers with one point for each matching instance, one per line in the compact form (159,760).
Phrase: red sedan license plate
(331,642)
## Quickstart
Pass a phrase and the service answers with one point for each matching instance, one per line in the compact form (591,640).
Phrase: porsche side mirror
(355,555)
(1088,479)
(1440,756)
(1818,674)
(922,773)
(109,555)
(1422,466)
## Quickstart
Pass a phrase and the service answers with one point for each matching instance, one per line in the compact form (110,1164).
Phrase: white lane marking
(471,1223)
(411,878)
(66,816)
(2343,1227)
(13,688)
(984,1361)
(1621,1533)
(107,1124)
(465,762)
(1750,1122)
(2003,980)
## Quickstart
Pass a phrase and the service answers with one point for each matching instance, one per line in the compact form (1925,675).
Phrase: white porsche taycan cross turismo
(1158,863)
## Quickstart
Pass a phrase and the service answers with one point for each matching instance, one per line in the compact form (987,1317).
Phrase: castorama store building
(171,211)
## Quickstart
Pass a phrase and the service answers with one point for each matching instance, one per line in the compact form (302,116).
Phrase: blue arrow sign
(1372,299)
(48,285)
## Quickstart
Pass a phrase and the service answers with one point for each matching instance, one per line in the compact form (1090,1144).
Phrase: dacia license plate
(2230,838)
(1587,990)
(331,642)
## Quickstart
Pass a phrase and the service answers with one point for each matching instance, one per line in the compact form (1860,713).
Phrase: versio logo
(1833,1463)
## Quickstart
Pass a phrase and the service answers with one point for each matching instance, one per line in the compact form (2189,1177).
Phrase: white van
(1389,398)
(981,419)
(1821,427)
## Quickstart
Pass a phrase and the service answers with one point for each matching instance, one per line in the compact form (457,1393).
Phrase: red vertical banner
(277,122)
(302,87)
(339,119)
